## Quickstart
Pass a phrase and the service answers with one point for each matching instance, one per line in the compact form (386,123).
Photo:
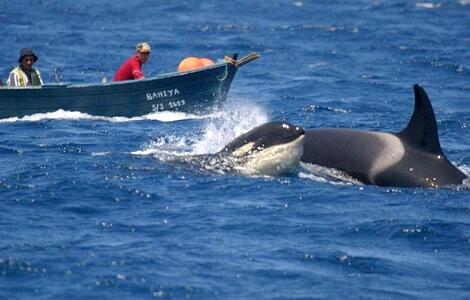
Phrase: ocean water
(89,209)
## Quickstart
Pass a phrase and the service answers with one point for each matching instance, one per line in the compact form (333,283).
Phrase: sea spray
(219,128)
(233,120)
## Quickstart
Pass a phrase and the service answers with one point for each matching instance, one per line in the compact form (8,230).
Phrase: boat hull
(195,92)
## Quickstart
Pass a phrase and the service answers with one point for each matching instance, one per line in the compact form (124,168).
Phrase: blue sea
(90,209)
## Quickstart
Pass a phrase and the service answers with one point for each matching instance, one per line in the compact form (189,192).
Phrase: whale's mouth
(275,160)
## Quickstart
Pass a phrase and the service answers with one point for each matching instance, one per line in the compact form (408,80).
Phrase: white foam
(428,5)
(326,175)
(317,65)
(220,128)
(464,168)
(233,120)
(466,184)
(169,145)
(164,116)
(167,116)
(100,153)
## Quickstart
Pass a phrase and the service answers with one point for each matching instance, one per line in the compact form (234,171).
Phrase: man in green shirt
(25,74)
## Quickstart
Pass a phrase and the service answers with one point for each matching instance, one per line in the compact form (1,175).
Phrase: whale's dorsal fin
(422,128)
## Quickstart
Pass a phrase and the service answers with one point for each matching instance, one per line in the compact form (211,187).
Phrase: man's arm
(137,71)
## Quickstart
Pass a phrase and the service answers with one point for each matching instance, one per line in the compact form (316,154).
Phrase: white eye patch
(243,149)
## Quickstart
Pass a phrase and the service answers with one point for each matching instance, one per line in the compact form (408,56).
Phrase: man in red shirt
(132,68)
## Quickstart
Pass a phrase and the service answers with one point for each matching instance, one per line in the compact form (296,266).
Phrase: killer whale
(270,149)
(410,158)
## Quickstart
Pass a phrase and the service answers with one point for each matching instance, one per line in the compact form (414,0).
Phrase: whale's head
(270,149)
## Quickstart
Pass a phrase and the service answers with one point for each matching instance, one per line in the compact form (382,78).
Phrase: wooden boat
(196,91)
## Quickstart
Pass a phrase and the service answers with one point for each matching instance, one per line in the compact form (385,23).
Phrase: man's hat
(142,47)
(25,52)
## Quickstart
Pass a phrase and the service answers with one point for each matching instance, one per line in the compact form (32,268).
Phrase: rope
(238,63)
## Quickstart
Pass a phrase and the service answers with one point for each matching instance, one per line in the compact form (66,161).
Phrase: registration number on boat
(169,105)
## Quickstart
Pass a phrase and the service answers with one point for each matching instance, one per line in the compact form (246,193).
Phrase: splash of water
(221,127)
(163,116)
(233,120)
(167,146)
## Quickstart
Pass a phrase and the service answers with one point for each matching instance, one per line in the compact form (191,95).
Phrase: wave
(221,127)
(428,5)
(163,116)
(326,175)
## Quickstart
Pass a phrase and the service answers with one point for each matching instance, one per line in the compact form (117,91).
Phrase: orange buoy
(206,62)
(190,63)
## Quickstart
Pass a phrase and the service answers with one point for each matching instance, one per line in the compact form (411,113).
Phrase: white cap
(143,47)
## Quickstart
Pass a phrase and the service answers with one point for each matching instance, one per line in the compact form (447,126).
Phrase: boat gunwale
(169,75)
